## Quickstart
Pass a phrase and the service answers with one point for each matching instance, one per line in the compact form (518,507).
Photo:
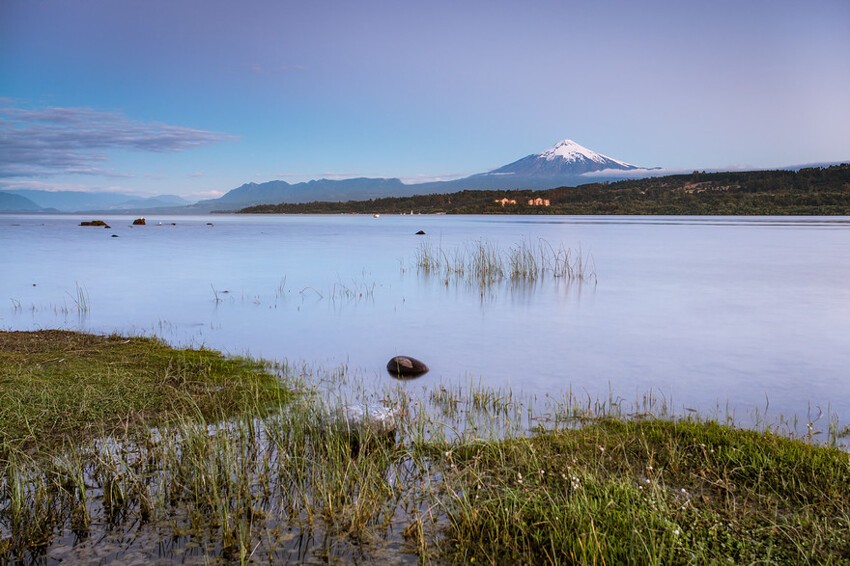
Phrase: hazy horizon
(197,98)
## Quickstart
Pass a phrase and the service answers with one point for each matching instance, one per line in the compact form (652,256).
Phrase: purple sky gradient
(196,97)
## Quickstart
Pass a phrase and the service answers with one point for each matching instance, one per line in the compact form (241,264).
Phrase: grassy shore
(112,446)
(61,387)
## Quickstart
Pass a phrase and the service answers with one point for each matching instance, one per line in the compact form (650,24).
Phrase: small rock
(406,367)
(377,419)
(364,427)
(94,223)
(139,222)
(114,235)
(420,233)
(209,223)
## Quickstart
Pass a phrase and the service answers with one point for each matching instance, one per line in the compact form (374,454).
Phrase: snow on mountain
(569,150)
(566,158)
(565,164)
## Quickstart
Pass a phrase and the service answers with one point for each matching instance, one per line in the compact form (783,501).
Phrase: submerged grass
(222,473)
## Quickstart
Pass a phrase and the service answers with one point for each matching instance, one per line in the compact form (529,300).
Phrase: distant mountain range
(566,164)
(28,200)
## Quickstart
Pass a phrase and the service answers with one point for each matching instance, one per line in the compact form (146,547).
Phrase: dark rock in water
(209,223)
(139,222)
(405,366)
(114,235)
(420,233)
(94,223)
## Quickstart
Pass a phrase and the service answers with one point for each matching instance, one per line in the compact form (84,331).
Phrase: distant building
(504,201)
(538,201)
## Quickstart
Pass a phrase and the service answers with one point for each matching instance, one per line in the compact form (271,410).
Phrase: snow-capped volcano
(566,164)
(568,150)
(566,158)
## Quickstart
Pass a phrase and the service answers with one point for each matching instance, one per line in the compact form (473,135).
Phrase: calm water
(707,312)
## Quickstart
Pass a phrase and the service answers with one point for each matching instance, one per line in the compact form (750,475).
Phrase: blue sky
(197,97)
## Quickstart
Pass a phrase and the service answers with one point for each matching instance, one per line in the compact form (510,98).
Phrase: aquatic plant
(247,463)
(484,264)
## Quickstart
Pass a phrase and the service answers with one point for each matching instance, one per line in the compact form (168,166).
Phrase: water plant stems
(485,264)
(241,464)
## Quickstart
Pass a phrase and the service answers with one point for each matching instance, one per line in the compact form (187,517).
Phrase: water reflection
(708,310)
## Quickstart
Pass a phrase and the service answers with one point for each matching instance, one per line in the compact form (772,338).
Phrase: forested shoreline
(809,191)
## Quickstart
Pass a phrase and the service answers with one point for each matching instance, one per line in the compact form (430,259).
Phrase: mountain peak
(566,160)
(570,151)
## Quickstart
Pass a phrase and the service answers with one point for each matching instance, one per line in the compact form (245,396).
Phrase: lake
(741,315)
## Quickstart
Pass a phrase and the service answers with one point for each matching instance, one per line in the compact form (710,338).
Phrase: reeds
(484,264)
(468,474)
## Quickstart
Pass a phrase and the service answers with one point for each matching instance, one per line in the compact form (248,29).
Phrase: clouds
(53,141)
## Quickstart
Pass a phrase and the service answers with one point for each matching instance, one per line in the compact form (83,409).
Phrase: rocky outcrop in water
(139,222)
(100,223)
(406,367)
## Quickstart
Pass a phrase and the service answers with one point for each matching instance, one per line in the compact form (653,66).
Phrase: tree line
(809,191)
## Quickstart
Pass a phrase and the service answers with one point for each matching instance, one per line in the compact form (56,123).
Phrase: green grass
(60,387)
(185,447)
(652,492)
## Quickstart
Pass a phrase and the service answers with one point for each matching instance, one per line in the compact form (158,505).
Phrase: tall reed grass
(485,264)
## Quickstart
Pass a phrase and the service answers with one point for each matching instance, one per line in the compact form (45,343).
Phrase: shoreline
(590,487)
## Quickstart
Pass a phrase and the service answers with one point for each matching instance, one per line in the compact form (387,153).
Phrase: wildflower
(519,477)
(676,532)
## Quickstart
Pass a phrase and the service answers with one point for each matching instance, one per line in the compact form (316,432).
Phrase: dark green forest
(810,191)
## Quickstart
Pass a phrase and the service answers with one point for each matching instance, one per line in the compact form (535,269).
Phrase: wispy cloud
(417,179)
(49,141)
(203,195)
